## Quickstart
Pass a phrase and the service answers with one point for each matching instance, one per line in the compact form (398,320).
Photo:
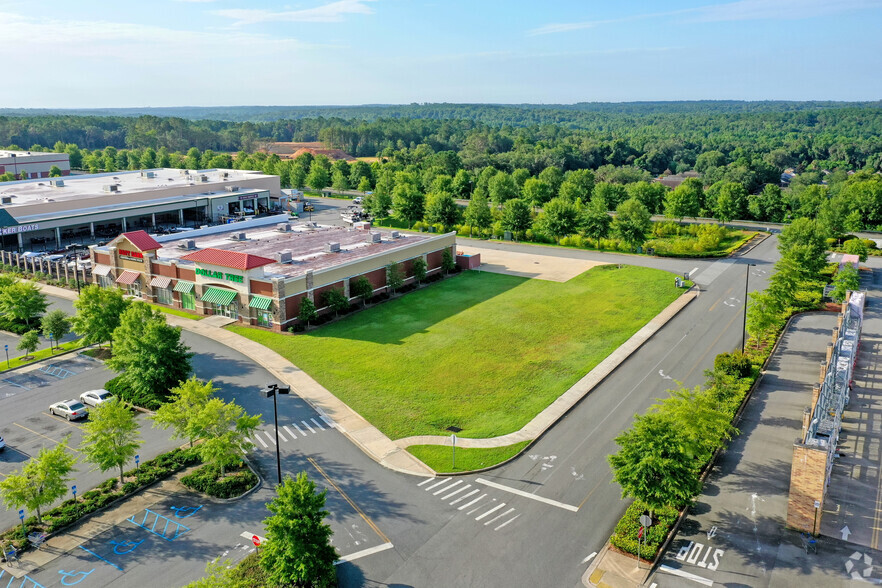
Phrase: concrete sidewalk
(392,454)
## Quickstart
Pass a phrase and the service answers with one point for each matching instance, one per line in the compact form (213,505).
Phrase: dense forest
(562,159)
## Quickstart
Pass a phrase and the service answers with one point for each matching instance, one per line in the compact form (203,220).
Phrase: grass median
(41,355)
(440,457)
(480,351)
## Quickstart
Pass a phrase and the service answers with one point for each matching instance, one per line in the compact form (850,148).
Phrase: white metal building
(27,164)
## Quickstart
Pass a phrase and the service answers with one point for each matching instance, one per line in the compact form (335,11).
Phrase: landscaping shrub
(733,364)
(117,387)
(236,482)
(625,535)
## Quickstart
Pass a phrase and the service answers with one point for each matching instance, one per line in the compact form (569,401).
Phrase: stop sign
(256,540)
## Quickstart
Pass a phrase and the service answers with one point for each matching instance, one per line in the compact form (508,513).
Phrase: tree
(554,177)
(536,192)
(111,437)
(307,312)
(42,480)
(336,300)
(298,549)
(577,185)
(684,200)
(224,429)
(846,280)
(54,172)
(362,288)
(56,325)
(378,204)
(516,216)
(441,208)
(764,316)
(297,176)
(477,214)
(408,203)
(852,247)
(149,354)
(394,276)
(560,218)
(29,342)
(339,181)
(448,264)
(185,401)
(98,314)
(22,301)
(612,194)
(364,185)
(730,201)
(462,184)
(652,464)
(768,205)
(701,421)
(651,194)
(502,188)
(596,220)
(632,222)
(419,269)
(318,177)
(804,242)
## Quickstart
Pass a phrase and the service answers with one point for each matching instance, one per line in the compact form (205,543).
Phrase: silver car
(96,397)
(69,409)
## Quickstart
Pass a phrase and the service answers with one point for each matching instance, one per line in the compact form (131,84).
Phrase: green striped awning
(260,302)
(184,286)
(220,296)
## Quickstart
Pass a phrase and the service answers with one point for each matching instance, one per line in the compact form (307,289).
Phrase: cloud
(333,12)
(730,11)
(196,1)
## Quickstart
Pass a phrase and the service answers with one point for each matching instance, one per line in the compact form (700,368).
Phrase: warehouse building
(42,215)
(259,276)
(25,164)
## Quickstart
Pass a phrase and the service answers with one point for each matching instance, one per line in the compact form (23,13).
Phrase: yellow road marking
(44,436)
(352,504)
(63,422)
(581,504)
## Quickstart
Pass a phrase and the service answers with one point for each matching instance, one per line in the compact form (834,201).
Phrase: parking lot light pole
(75,247)
(744,325)
(274,390)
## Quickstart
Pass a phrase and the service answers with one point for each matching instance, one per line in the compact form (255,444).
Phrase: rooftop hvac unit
(283,257)
(283,227)
(110,188)
(238,237)
(231,188)
(148,175)
(56,183)
(395,234)
(189,245)
(376,237)
(225,174)
(203,178)
(6,200)
(333,248)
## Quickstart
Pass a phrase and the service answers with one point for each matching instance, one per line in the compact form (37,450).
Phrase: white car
(96,397)
(357,200)
(69,409)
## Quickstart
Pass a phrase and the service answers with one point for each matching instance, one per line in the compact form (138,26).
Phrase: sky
(128,53)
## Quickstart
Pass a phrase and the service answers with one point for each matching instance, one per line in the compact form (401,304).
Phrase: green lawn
(176,312)
(480,351)
(440,458)
(41,355)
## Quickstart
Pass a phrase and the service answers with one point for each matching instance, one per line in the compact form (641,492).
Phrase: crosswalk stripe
(455,492)
(461,498)
(464,506)
(317,424)
(426,481)
(509,511)
(305,424)
(437,492)
(262,442)
(443,481)
(282,437)
(290,432)
(328,421)
(299,430)
(506,522)
(271,438)
(492,510)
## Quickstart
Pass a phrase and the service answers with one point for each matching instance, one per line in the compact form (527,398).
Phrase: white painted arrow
(662,374)
(590,557)
(845,532)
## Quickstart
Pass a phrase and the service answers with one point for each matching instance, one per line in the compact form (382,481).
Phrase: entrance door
(188,300)
(230,310)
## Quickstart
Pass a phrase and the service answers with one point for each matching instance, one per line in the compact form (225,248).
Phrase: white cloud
(333,12)
(731,11)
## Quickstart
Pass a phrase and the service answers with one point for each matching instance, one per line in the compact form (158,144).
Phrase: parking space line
(496,518)
(290,432)
(262,442)
(299,430)
(63,421)
(282,437)
(491,511)
(44,436)
(347,499)
(99,557)
(305,424)
(317,424)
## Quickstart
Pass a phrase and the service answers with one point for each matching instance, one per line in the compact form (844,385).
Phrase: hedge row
(237,481)
(69,512)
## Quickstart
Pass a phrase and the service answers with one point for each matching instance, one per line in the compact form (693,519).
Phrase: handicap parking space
(46,374)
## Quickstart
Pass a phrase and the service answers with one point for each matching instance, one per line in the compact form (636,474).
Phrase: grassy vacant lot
(483,352)
(440,458)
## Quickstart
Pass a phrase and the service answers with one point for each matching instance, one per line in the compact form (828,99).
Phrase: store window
(106,281)
(134,289)
(264,318)
(164,296)
(188,300)
(230,310)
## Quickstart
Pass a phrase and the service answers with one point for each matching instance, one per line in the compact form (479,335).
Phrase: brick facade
(807,481)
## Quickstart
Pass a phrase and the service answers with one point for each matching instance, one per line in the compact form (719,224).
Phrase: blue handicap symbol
(66,576)
(182,512)
(124,547)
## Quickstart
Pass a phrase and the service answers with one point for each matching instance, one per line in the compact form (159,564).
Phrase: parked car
(356,200)
(69,409)
(96,397)
(308,208)
(2,444)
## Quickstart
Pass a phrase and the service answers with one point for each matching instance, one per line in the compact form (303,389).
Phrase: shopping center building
(260,272)
(48,214)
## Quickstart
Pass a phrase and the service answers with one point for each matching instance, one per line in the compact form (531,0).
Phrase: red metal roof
(142,240)
(128,277)
(223,258)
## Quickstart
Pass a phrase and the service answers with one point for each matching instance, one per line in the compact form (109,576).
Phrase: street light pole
(744,324)
(273,390)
